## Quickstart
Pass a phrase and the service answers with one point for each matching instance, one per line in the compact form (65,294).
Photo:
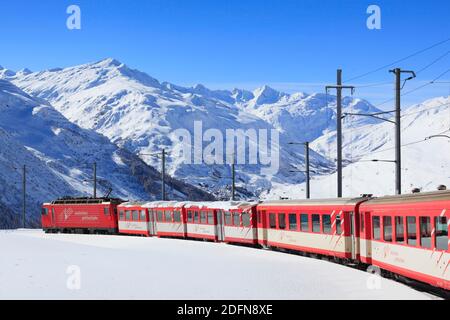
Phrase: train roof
(86,200)
(315,202)
(443,195)
(223,205)
(133,203)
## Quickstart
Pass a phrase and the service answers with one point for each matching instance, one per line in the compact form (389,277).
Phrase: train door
(151,222)
(53,218)
(220,232)
(184,221)
(354,244)
(264,228)
(365,237)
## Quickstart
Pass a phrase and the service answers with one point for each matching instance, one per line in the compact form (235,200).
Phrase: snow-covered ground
(35,265)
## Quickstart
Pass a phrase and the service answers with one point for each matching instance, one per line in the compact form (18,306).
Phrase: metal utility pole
(398,154)
(95,180)
(163,174)
(233,182)
(308,193)
(339,88)
(24,193)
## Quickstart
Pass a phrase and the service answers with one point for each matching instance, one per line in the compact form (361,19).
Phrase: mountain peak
(24,72)
(266,95)
(109,62)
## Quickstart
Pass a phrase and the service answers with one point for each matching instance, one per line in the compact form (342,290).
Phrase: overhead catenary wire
(399,60)
(417,88)
(433,62)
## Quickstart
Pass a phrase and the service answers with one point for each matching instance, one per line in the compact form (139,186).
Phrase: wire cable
(399,60)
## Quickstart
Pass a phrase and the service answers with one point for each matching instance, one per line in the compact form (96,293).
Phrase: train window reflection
(376,228)
(326,221)
(236,219)
(441,233)
(282,221)
(425,232)
(227,218)
(399,230)
(246,219)
(412,236)
(387,229)
(177,216)
(316,222)
(338,224)
(272,221)
(304,226)
(292,221)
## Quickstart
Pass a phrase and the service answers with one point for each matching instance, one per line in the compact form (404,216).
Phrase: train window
(425,232)
(326,221)
(236,219)
(272,220)
(121,215)
(210,217)
(361,222)
(282,221)
(44,211)
(142,215)
(106,211)
(441,233)
(399,230)
(177,216)
(227,218)
(259,216)
(338,224)
(292,221)
(168,215)
(387,229)
(246,219)
(189,216)
(128,215)
(196,217)
(135,215)
(160,216)
(412,237)
(203,216)
(304,222)
(376,228)
(316,223)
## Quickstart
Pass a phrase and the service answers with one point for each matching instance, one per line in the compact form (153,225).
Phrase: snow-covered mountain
(59,156)
(141,114)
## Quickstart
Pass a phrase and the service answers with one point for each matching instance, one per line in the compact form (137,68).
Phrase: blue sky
(292,45)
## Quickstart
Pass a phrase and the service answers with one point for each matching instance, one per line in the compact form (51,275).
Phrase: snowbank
(34,265)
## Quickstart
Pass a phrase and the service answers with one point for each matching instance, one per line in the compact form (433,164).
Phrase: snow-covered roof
(132,204)
(222,205)
(313,202)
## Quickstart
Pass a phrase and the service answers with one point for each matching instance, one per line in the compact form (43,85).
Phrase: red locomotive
(81,215)
(406,236)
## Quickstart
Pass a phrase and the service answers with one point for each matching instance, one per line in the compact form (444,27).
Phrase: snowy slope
(59,157)
(426,163)
(35,265)
(138,112)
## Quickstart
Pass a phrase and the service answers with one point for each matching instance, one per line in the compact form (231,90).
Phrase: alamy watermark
(73,22)
(374,20)
(74,277)
(374,280)
(238,146)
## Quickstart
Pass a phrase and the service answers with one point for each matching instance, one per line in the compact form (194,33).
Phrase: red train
(406,236)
